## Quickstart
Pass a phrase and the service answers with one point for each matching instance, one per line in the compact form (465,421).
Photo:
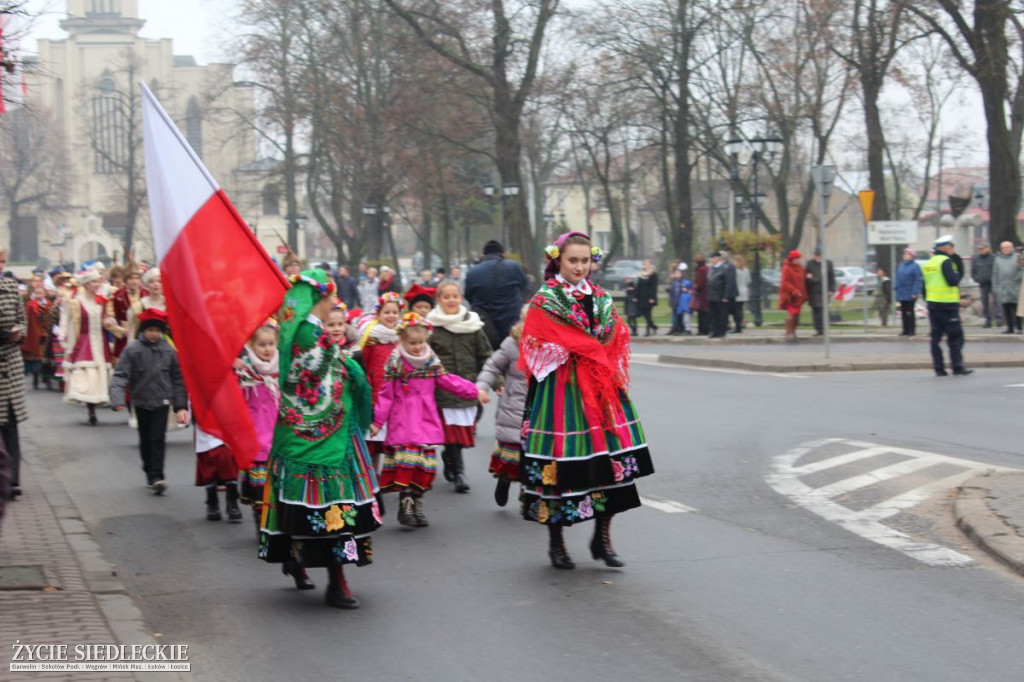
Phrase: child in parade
(413,376)
(319,501)
(149,369)
(509,419)
(258,371)
(583,444)
(421,299)
(378,337)
(463,348)
(336,325)
(216,468)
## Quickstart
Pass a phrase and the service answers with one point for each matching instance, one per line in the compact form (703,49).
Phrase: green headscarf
(308,287)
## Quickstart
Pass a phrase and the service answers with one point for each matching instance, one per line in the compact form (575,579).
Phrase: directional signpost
(892,233)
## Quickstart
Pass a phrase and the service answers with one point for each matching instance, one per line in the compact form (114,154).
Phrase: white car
(851,273)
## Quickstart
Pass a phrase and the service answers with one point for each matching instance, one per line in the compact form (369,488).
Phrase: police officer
(942,275)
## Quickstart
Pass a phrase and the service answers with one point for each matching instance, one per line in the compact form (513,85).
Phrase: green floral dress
(319,504)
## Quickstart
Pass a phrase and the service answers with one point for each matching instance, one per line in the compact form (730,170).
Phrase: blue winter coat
(675,287)
(685,299)
(908,280)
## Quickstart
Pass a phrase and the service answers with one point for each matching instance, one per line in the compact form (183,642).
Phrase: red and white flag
(846,292)
(219,282)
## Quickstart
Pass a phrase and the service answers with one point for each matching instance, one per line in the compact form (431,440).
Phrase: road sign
(881,232)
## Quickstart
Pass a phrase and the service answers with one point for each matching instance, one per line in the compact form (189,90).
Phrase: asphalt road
(749,586)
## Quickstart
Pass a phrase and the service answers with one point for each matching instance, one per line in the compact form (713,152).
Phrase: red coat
(121,304)
(37,333)
(700,289)
(793,285)
(375,356)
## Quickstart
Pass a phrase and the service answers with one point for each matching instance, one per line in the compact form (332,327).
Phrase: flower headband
(389,297)
(340,305)
(324,289)
(410,320)
(553,253)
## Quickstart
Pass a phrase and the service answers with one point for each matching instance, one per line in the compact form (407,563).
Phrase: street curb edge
(983,526)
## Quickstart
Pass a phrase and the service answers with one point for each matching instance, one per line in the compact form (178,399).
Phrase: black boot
(231,503)
(212,504)
(257,517)
(501,491)
(461,484)
(338,594)
(407,510)
(298,574)
(601,544)
(447,468)
(556,549)
(35,381)
(92,415)
(417,511)
(380,503)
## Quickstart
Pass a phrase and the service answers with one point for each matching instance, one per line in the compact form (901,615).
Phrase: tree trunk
(1003,169)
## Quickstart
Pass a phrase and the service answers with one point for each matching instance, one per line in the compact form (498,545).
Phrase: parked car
(851,273)
(614,276)
(771,280)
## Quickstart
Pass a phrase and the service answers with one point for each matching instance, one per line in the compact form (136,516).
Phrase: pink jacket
(417,421)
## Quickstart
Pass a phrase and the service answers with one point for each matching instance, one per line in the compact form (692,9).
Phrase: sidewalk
(765,351)
(990,510)
(55,586)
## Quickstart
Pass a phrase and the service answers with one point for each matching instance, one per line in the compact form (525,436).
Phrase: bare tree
(502,47)
(988,44)
(34,157)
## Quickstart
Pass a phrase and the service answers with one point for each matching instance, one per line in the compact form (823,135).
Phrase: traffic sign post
(892,233)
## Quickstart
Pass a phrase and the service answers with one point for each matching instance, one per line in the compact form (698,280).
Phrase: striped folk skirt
(408,468)
(572,467)
(505,460)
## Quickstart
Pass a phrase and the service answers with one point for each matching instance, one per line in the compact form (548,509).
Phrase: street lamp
(762,149)
(824,178)
(509,191)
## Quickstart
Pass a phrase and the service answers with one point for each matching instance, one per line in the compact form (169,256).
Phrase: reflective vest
(936,288)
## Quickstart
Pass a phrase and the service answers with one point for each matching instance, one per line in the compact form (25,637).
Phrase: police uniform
(942,274)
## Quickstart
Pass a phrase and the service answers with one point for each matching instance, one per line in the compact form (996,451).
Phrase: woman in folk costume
(87,363)
(319,504)
(62,282)
(125,306)
(462,345)
(583,444)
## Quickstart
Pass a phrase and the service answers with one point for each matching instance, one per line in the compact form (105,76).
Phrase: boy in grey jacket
(149,369)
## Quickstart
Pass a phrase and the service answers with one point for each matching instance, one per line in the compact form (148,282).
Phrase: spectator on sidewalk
(743,281)
(814,282)
(792,292)
(368,290)
(675,287)
(721,290)
(908,288)
(700,294)
(631,305)
(647,292)
(1006,281)
(149,369)
(981,272)
(883,297)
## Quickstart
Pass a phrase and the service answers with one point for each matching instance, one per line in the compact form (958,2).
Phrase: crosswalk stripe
(667,506)
(785,478)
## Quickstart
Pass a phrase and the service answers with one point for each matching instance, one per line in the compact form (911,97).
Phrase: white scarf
(416,361)
(378,332)
(267,369)
(462,322)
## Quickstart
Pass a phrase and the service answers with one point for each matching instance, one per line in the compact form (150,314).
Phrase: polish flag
(219,282)
(846,292)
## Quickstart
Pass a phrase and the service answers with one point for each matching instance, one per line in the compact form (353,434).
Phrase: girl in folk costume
(792,292)
(413,376)
(258,373)
(337,325)
(583,444)
(319,504)
(461,344)
(87,364)
(378,337)
(125,306)
(215,467)
(509,419)
(61,280)
(153,299)
(421,299)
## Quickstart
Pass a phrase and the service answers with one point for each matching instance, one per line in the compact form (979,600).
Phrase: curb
(119,610)
(978,522)
(822,366)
